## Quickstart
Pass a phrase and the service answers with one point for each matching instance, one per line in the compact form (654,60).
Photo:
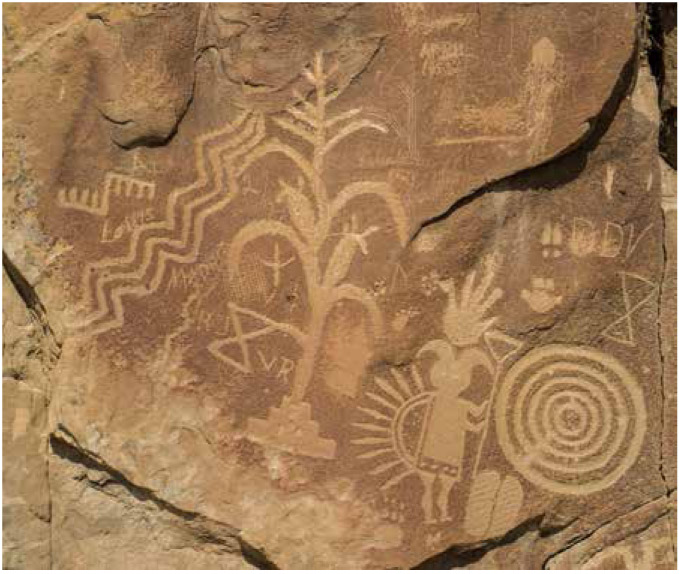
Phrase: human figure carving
(449,419)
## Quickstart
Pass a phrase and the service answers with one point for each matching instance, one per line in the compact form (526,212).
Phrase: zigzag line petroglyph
(169,240)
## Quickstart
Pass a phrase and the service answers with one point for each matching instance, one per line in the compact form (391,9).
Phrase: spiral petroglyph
(571,419)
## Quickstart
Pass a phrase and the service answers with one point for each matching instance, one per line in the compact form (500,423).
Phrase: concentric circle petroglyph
(570,419)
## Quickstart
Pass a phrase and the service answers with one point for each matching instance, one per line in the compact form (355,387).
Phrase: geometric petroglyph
(177,238)
(570,419)
(97,202)
(493,505)
(291,426)
(636,292)
(501,345)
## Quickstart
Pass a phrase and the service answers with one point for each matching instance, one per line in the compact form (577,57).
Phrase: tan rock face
(338,286)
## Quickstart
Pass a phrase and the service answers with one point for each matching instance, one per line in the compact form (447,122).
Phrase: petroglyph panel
(364,282)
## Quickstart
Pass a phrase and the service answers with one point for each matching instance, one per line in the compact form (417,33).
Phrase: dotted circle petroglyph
(570,419)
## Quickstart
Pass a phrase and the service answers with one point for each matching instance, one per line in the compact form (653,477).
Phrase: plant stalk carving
(312,212)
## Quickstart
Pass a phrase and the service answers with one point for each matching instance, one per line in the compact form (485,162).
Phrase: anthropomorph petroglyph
(437,456)
(313,209)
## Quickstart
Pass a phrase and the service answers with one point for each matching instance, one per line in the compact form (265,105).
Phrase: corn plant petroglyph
(313,210)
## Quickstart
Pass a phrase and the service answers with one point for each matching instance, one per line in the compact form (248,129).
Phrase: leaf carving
(352,128)
(341,259)
(378,189)
(299,207)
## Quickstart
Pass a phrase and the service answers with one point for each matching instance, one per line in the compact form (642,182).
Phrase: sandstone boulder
(338,286)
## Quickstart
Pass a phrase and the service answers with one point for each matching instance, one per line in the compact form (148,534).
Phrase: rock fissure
(37,310)
(581,538)
(661,357)
(556,170)
(461,556)
(64,445)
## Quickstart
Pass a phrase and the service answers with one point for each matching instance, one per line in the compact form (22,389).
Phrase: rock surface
(339,286)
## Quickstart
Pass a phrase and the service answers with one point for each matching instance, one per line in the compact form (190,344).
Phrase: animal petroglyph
(97,201)
(221,157)
(570,419)
(312,212)
(637,291)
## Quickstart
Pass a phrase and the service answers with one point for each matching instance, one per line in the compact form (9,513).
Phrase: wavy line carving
(177,238)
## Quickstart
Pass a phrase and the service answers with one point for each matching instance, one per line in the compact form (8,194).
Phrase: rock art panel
(352,285)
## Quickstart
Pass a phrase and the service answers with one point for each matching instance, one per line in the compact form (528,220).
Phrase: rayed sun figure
(413,428)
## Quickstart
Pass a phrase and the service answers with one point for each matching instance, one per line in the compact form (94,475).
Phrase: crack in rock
(37,310)
(65,445)
(564,166)
(637,517)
